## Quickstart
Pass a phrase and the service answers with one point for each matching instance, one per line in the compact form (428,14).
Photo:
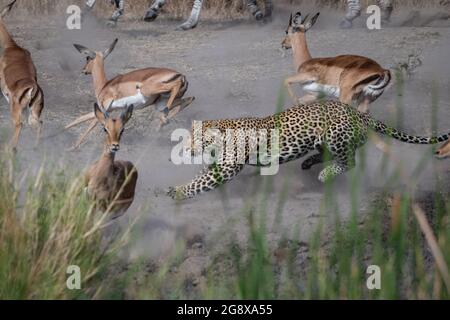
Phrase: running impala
(109,182)
(347,77)
(18,82)
(161,87)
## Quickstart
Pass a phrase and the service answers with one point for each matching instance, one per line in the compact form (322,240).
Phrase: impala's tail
(5,37)
(30,97)
(380,127)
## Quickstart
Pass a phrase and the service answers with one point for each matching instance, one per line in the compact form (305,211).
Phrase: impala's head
(93,56)
(113,126)
(297,24)
(444,151)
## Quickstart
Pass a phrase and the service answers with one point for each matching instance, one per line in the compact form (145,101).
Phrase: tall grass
(47,225)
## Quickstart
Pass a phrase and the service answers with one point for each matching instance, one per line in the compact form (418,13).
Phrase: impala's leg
(81,119)
(193,18)
(35,116)
(16,114)
(83,136)
(153,11)
(364,105)
(298,78)
(213,177)
(175,87)
(346,95)
(308,98)
(174,93)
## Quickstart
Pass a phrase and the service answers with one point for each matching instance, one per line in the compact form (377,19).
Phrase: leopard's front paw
(177,193)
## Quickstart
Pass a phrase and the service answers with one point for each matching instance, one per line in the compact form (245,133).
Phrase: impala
(444,151)
(144,87)
(109,182)
(346,77)
(18,82)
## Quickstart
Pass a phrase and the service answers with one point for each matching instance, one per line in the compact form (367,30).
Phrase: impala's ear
(101,115)
(86,51)
(312,22)
(7,9)
(126,114)
(108,51)
(297,19)
(290,20)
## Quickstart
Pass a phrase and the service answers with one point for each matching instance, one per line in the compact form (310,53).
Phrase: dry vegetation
(213,9)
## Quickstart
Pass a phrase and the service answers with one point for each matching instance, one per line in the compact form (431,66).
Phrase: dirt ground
(234,70)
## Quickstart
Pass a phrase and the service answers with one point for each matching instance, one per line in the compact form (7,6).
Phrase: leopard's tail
(394,133)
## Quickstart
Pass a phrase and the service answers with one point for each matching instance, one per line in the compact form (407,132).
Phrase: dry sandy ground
(234,70)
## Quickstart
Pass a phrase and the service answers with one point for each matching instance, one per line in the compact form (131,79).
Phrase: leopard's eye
(104,129)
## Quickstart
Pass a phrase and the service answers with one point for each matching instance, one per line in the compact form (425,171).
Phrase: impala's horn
(110,49)
(86,51)
(127,113)
(297,19)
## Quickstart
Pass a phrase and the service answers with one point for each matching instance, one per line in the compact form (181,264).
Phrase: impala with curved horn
(18,82)
(347,77)
(144,87)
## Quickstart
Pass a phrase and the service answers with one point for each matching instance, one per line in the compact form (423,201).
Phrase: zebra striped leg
(194,17)
(153,12)
(386,7)
(254,9)
(353,12)
(90,4)
(119,10)
(268,8)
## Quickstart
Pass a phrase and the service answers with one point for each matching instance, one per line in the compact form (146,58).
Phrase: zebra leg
(119,10)
(90,4)
(386,7)
(268,8)
(254,9)
(153,12)
(353,12)
(194,17)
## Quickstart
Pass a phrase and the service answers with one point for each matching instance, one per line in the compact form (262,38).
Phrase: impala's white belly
(138,101)
(329,90)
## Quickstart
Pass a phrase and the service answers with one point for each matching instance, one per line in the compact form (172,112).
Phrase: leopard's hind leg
(211,177)
(315,159)
(341,164)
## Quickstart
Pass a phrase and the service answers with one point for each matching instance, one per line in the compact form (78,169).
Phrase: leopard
(334,129)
